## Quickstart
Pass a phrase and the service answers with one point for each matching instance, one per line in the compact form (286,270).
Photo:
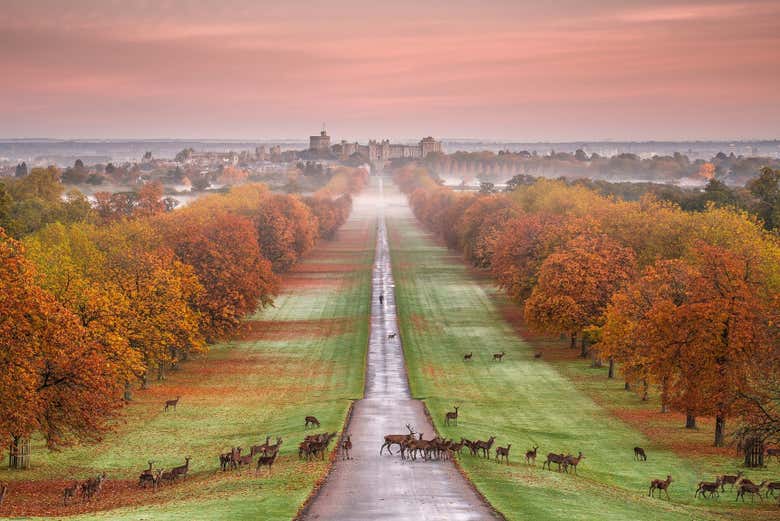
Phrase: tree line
(687,304)
(98,298)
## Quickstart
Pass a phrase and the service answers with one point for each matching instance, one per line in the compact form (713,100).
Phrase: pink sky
(243,69)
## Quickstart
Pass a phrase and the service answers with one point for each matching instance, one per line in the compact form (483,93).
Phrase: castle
(374,151)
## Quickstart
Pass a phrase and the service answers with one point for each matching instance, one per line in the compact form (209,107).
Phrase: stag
(660,484)
(730,480)
(396,439)
(709,487)
(346,446)
(503,452)
(451,416)
(92,487)
(498,356)
(311,420)
(750,488)
(257,449)
(639,454)
(171,403)
(560,459)
(530,456)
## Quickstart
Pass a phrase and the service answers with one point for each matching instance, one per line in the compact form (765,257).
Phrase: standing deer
(391,336)
(560,459)
(750,488)
(69,493)
(182,469)
(639,454)
(660,484)
(171,403)
(3,492)
(451,416)
(485,446)
(708,487)
(730,480)
(146,476)
(92,487)
(503,452)
(346,446)
(257,449)
(396,439)
(267,461)
(530,456)
(770,488)
(166,475)
(311,420)
(773,452)
(571,461)
(468,356)
(498,356)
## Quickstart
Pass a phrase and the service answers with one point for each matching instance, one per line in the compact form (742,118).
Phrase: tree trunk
(19,453)
(128,391)
(627,386)
(690,421)
(584,346)
(644,392)
(720,430)
(754,453)
(664,408)
(611,372)
(145,380)
(573,340)
(160,371)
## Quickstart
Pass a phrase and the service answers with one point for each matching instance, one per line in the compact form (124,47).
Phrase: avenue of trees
(97,298)
(686,304)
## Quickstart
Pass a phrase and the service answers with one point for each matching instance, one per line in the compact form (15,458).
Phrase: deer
(468,356)
(69,493)
(391,336)
(770,488)
(708,487)
(311,420)
(730,480)
(530,456)
(560,459)
(457,447)
(3,492)
(274,447)
(166,475)
(503,452)
(538,355)
(773,452)
(257,449)
(451,416)
(485,446)
(92,487)
(267,461)
(639,454)
(346,446)
(147,476)
(750,488)
(498,356)
(245,460)
(396,439)
(171,403)
(156,479)
(571,461)
(182,469)
(660,484)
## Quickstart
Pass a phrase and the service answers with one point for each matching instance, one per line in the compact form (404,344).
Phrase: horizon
(506,71)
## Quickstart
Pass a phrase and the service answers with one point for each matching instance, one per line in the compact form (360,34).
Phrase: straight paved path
(371,486)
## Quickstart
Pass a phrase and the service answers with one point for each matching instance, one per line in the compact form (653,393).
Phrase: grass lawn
(303,356)
(446,311)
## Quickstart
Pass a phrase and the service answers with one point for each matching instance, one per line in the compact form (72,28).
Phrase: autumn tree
(286,230)
(56,380)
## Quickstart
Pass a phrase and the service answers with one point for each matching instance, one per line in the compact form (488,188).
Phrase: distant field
(303,356)
(446,311)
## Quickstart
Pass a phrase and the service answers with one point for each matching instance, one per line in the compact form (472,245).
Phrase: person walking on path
(381,299)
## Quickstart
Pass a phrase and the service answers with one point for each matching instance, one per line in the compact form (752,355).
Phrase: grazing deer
(468,356)
(503,452)
(69,493)
(773,452)
(538,354)
(639,454)
(485,446)
(267,461)
(311,420)
(182,469)
(750,488)
(770,488)
(391,336)
(571,461)
(3,492)
(451,416)
(660,484)
(171,403)
(257,449)
(560,459)
(346,446)
(708,487)
(530,456)
(396,439)
(498,356)
(730,480)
